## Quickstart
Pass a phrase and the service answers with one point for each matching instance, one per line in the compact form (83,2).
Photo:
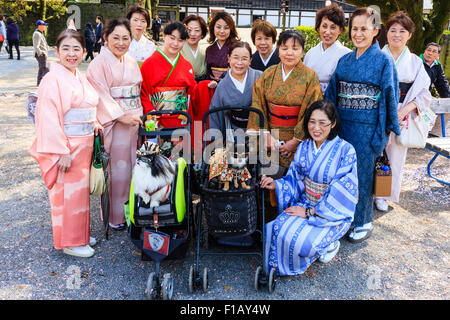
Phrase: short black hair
(291,33)
(176,25)
(330,110)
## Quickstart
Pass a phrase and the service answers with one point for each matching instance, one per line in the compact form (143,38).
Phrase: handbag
(413,132)
(97,183)
(383,176)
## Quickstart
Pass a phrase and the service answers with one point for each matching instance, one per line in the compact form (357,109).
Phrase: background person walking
(12,34)
(40,49)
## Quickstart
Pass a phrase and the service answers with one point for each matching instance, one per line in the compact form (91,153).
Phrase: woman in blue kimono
(365,90)
(316,199)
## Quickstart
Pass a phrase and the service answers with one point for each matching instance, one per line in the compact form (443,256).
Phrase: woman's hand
(270,141)
(64,163)
(267,183)
(130,120)
(289,147)
(405,111)
(97,128)
(296,211)
(212,85)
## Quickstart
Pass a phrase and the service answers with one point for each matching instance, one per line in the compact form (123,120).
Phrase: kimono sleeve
(258,102)
(216,119)
(338,203)
(331,92)
(423,97)
(146,87)
(108,109)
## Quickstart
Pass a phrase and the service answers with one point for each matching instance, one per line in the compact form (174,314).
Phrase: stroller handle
(226,108)
(168,113)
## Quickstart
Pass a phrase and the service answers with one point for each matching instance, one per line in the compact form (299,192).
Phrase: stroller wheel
(258,275)
(191,279)
(205,280)
(167,287)
(272,280)
(152,286)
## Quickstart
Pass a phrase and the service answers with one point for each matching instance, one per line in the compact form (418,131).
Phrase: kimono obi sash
(128,97)
(404,88)
(314,190)
(80,122)
(239,117)
(355,95)
(170,98)
(283,116)
(217,73)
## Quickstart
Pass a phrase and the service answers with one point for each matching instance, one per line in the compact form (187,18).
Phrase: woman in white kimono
(323,58)
(414,95)
(117,79)
(316,199)
(65,126)
(141,47)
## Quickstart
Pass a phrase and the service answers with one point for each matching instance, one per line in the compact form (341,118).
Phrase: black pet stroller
(231,214)
(162,232)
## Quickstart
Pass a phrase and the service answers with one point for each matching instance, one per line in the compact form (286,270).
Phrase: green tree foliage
(15,9)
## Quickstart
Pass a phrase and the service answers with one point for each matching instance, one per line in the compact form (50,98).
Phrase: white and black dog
(153,174)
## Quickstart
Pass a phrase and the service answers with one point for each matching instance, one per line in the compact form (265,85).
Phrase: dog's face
(238,159)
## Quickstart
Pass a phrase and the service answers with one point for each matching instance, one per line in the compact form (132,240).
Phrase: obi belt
(314,190)
(239,117)
(80,122)
(360,96)
(170,98)
(128,97)
(218,73)
(404,88)
(283,116)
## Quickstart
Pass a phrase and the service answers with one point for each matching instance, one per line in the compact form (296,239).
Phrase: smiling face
(398,36)
(119,41)
(195,32)
(263,43)
(290,53)
(138,24)
(70,53)
(319,126)
(363,32)
(328,32)
(222,30)
(173,43)
(239,61)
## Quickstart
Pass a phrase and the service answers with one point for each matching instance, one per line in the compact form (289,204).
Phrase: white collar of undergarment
(239,85)
(285,76)
(172,62)
(194,53)
(265,62)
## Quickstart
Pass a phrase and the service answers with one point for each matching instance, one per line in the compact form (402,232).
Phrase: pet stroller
(237,212)
(163,231)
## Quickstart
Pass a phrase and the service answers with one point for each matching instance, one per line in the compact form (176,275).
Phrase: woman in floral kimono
(65,124)
(316,199)
(117,79)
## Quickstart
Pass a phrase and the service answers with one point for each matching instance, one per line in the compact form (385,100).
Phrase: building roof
(297,5)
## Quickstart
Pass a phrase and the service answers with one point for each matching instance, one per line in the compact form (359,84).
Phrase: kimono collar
(404,52)
(58,67)
(265,62)
(373,47)
(105,51)
(335,44)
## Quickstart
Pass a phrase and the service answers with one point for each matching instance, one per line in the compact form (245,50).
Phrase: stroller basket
(230,213)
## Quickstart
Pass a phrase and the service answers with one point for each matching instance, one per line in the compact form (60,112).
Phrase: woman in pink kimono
(65,123)
(117,79)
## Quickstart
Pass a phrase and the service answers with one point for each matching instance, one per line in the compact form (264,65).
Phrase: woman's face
(138,24)
(319,126)
(239,61)
(70,53)
(195,32)
(328,31)
(290,53)
(222,30)
(263,43)
(363,32)
(173,43)
(398,36)
(119,41)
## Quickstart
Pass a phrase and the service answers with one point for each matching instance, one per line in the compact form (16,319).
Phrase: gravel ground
(407,256)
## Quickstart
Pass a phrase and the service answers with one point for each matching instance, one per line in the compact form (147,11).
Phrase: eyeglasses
(321,124)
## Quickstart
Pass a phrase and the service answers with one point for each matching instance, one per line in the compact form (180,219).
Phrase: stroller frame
(260,279)
(155,288)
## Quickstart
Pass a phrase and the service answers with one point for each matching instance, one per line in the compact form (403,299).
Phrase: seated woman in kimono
(364,88)
(235,90)
(323,58)
(117,79)
(222,34)
(141,47)
(197,30)
(65,124)
(414,94)
(264,37)
(316,199)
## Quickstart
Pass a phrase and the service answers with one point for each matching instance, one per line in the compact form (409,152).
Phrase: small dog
(153,174)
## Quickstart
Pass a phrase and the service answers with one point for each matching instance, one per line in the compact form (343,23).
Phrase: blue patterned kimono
(294,243)
(366,93)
